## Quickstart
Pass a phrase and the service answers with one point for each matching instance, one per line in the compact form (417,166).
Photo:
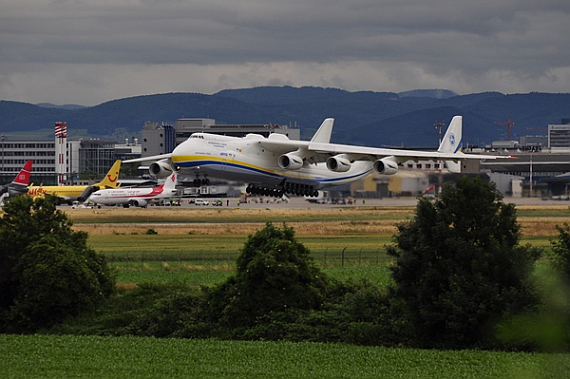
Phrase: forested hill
(370,118)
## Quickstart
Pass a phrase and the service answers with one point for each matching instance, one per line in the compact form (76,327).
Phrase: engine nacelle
(290,161)
(160,169)
(140,203)
(338,164)
(386,166)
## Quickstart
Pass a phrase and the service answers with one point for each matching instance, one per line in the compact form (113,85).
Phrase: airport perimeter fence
(342,257)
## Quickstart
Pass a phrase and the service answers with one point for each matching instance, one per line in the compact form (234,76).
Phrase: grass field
(198,247)
(210,274)
(49,357)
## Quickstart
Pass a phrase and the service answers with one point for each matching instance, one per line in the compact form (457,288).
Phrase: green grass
(38,356)
(196,260)
(198,274)
(209,259)
(189,273)
(166,245)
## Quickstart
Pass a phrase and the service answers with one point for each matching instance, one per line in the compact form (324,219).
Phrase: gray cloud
(92,51)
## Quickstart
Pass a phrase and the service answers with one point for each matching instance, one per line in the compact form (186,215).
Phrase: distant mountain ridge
(430,93)
(64,106)
(363,117)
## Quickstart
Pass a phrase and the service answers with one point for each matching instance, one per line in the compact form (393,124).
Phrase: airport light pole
(2,137)
(438,126)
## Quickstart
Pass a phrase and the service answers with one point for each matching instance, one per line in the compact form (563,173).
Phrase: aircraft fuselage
(245,160)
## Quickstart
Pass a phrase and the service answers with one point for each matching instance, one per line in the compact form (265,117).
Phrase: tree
(47,272)
(459,266)
(561,252)
(274,274)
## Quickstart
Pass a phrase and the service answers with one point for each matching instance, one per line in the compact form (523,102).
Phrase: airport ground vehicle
(201,202)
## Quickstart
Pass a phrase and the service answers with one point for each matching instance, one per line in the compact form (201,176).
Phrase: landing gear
(301,189)
(288,188)
(252,189)
(201,182)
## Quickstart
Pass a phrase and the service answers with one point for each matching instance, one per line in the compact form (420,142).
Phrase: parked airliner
(69,194)
(276,165)
(139,197)
(19,186)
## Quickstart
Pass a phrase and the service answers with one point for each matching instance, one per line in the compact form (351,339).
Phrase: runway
(301,203)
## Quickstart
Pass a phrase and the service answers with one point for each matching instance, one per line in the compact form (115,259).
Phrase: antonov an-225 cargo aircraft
(276,165)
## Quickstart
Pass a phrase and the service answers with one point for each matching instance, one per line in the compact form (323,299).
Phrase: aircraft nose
(176,153)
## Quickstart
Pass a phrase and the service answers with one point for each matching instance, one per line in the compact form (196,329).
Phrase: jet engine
(160,169)
(290,161)
(139,203)
(338,163)
(386,166)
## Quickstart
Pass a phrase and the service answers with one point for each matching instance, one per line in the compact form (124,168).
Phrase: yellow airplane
(69,194)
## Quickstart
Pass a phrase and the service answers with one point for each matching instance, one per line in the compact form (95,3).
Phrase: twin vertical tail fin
(23,177)
(451,143)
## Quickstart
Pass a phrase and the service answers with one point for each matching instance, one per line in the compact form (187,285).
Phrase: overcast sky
(91,51)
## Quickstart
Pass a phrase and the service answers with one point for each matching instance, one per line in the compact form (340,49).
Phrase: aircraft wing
(325,150)
(331,149)
(148,159)
(320,148)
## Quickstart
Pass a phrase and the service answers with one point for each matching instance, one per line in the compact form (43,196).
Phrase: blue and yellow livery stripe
(194,162)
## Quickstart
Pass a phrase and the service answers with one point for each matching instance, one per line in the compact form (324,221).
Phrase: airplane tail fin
(323,134)
(451,143)
(23,177)
(111,180)
(170,182)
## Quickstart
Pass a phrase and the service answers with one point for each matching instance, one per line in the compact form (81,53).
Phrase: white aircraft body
(139,197)
(276,165)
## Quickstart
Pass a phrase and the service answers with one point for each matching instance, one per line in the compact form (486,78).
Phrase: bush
(47,272)
(274,274)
